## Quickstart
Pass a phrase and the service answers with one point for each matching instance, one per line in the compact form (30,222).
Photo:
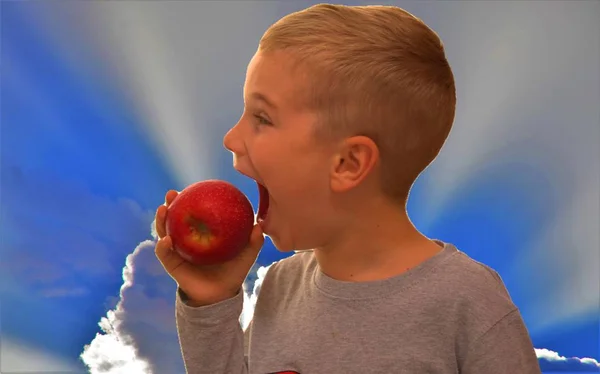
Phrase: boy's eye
(262,120)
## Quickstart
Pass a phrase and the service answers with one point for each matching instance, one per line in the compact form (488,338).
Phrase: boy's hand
(204,285)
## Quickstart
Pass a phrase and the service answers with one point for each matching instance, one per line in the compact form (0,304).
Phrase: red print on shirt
(285,372)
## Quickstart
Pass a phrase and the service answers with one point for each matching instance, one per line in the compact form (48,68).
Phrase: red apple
(210,222)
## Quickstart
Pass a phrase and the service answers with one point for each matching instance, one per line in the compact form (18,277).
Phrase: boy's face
(273,143)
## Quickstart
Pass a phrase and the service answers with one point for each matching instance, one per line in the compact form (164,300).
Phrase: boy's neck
(380,244)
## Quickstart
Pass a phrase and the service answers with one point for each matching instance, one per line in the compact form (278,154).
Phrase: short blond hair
(376,71)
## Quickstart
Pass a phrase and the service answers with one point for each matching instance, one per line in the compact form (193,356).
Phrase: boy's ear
(354,161)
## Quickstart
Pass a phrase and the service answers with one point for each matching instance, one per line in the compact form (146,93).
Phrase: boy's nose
(232,142)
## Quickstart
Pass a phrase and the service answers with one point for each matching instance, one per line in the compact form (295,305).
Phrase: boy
(344,108)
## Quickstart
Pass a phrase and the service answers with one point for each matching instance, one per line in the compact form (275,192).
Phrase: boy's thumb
(250,253)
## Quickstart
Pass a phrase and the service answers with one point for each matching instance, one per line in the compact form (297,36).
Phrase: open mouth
(263,202)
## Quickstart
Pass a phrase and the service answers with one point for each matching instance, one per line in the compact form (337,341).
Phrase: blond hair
(376,71)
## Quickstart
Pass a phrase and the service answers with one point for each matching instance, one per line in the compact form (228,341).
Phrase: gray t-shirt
(448,315)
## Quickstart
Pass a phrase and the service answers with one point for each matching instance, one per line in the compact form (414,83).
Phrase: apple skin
(210,222)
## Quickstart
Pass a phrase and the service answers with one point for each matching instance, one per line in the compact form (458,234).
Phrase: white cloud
(114,351)
(139,334)
(254,282)
(551,356)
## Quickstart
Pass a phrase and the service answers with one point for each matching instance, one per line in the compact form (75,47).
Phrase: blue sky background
(107,105)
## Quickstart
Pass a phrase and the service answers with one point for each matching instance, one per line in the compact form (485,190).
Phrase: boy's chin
(283,249)
(288,249)
(282,246)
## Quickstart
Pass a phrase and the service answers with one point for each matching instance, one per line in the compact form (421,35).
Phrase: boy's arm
(211,338)
(506,348)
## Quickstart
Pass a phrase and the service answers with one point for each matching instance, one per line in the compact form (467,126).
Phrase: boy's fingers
(170,196)
(256,242)
(166,255)
(159,221)
(257,238)
(163,248)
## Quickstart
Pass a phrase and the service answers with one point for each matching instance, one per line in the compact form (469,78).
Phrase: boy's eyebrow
(262,97)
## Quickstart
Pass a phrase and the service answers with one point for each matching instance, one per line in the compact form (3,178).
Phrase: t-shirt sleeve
(211,337)
(505,348)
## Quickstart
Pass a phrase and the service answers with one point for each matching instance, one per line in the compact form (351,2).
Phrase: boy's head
(343,105)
